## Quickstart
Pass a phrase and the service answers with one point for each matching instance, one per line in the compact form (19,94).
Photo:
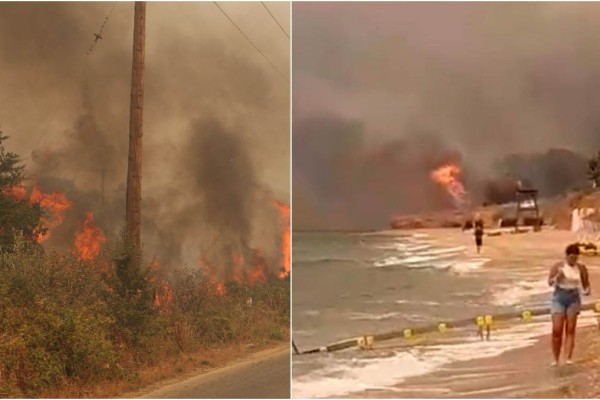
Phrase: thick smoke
(348,185)
(470,83)
(68,114)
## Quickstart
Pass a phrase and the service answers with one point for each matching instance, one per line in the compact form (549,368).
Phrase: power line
(275,19)
(53,115)
(251,42)
(98,35)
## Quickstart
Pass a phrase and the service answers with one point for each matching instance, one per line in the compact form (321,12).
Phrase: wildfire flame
(213,280)
(55,203)
(250,267)
(257,273)
(284,219)
(17,192)
(448,176)
(243,271)
(163,296)
(88,239)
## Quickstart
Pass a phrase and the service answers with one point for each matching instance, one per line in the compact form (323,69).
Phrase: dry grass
(170,368)
(64,334)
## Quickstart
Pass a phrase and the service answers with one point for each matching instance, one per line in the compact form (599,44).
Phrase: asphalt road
(264,376)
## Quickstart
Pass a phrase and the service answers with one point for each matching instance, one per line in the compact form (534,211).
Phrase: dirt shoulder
(241,375)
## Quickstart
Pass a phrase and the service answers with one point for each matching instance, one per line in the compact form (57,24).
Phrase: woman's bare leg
(570,328)
(558,326)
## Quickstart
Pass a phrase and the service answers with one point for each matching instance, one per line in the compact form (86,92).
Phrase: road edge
(153,390)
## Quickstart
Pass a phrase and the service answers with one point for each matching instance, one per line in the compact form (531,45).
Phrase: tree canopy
(17,215)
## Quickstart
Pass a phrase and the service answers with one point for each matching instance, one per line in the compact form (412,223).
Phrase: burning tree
(448,176)
(17,215)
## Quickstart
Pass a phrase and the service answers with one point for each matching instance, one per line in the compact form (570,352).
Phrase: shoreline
(520,372)
(517,373)
(525,372)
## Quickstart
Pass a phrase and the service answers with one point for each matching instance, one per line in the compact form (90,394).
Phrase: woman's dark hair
(572,249)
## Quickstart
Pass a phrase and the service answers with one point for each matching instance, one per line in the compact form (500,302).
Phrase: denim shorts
(566,301)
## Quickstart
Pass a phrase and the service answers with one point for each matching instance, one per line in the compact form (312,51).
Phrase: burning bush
(67,320)
(17,215)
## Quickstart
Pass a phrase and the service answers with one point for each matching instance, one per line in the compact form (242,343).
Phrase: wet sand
(520,373)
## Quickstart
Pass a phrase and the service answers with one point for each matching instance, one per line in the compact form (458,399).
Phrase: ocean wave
(374,317)
(341,377)
(324,260)
(466,266)
(420,235)
(354,375)
(312,313)
(419,302)
(446,250)
(305,332)
(519,292)
(421,259)
(404,247)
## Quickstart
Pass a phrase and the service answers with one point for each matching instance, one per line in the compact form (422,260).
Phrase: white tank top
(572,277)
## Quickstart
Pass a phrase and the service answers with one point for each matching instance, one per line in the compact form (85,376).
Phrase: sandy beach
(524,372)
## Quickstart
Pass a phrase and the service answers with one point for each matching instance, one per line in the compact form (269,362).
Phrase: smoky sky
(466,82)
(67,112)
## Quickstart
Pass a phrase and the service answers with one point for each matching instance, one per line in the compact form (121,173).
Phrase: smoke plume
(397,89)
(68,114)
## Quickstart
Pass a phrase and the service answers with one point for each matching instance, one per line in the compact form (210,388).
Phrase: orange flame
(238,264)
(257,274)
(163,296)
(16,192)
(220,289)
(448,176)
(56,203)
(284,219)
(88,239)
(213,280)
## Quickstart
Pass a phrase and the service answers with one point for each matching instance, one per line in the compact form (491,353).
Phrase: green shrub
(54,322)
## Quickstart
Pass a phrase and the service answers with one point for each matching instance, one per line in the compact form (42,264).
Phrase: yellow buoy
(526,315)
(361,343)
(408,333)
(442,327)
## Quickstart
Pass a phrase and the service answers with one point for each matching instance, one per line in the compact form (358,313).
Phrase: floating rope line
(483,323)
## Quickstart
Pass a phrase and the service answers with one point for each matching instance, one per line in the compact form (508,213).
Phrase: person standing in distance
(478,226)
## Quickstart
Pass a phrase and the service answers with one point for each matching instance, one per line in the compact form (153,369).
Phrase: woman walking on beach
(478,233)
(570,280)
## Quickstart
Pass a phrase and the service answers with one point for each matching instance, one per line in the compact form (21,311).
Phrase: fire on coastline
(447,176)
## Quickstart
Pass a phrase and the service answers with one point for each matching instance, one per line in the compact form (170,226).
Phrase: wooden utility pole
(134,171)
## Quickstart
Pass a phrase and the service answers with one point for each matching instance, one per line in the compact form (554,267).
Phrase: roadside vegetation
(77,328)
